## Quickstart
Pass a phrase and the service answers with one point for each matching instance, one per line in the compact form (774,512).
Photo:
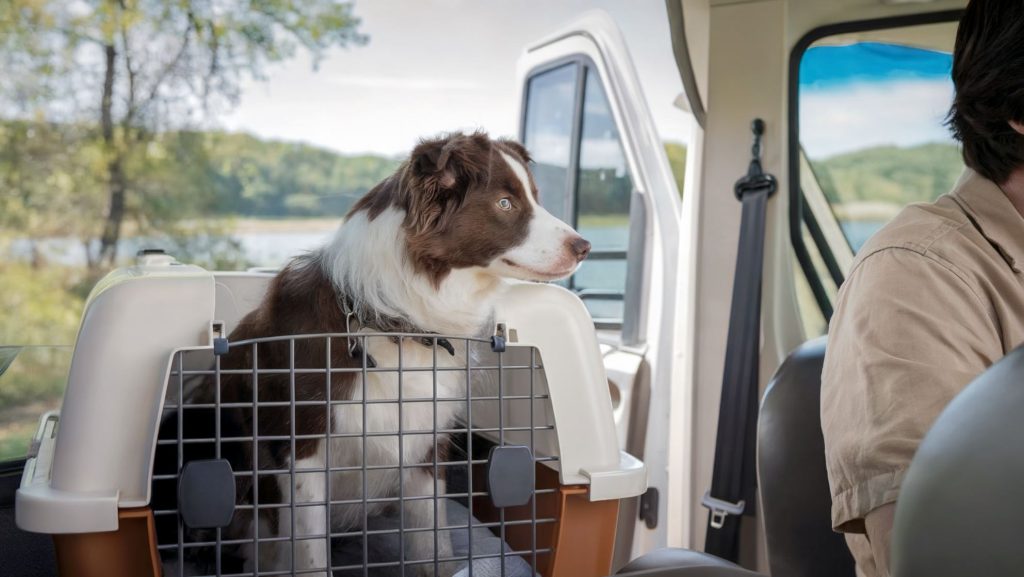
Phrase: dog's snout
(580,248)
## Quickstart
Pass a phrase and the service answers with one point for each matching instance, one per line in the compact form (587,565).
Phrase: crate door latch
(510,475)
(206,494)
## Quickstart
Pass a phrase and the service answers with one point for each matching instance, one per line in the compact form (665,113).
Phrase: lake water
(274,248)
(859,231)
(261,248)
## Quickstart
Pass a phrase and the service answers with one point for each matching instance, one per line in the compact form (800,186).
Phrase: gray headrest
(961,507)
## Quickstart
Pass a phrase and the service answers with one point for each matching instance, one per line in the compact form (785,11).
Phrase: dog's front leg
(420,514)
(311,529)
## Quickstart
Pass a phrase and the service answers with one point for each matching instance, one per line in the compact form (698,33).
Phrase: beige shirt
(932,300)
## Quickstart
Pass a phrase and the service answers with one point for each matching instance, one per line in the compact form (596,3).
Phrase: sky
(870,94)
(438,65)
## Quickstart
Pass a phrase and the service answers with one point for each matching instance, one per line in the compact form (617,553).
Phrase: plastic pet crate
(178,452)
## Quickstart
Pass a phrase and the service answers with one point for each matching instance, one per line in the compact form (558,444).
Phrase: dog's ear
(518,149)
(443,170)
(452,162)
(429,161)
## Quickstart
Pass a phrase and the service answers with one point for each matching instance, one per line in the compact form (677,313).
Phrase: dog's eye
(505,204)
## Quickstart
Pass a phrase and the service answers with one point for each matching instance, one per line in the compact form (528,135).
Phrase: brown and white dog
(428,250)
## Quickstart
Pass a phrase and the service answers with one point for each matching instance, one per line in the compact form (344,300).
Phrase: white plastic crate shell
(137,318)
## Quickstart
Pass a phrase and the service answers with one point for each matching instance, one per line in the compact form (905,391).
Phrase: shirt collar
(996,217)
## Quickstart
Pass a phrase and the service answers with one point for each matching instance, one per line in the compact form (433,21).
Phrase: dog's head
(471,202)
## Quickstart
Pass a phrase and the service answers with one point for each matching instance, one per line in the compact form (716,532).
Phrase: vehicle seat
(682,563)
(961,505)
(794,493)
(792,480)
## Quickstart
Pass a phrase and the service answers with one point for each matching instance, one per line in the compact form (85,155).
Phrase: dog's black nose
(580,248)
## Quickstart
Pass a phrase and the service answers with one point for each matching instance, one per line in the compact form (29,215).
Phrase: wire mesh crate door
(356,455)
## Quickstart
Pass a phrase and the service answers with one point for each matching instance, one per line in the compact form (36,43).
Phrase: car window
(603,193)
(872,128)
(871,115)
(551,102)
(583,177)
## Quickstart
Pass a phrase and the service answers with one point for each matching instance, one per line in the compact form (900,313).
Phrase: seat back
(794,492)
(961,505)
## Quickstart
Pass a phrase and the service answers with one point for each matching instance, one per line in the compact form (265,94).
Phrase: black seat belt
(734,480)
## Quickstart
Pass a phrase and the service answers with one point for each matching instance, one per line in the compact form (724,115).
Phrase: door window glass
(603,193)
(550,106)
(581,171)
(872,139)
(872,125)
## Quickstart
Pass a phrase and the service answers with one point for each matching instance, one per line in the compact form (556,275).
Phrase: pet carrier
(181,453)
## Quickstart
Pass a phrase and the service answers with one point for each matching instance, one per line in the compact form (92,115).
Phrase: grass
(32,385)
(18,424)
(603,221)
(42,308)
(256,225)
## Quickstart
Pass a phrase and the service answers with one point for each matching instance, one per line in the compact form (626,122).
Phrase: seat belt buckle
(756,178)
(721,509)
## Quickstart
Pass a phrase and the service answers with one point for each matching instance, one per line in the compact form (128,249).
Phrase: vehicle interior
(799,151)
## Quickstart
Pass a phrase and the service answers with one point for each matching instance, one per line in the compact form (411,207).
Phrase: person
(935,297)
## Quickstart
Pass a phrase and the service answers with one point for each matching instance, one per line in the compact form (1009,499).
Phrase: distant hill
(890,174)
(249,176)
(185,175)
(255,177)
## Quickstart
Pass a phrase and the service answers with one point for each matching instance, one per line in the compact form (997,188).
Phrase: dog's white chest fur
(407,393)
(377,464)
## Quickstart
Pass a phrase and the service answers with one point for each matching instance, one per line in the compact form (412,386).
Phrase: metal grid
(490,398)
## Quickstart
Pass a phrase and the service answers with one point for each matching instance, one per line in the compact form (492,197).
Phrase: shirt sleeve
(908,334)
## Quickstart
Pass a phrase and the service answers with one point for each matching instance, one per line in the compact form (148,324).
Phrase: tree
(130,69)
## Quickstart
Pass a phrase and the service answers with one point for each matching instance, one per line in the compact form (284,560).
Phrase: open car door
(601,166)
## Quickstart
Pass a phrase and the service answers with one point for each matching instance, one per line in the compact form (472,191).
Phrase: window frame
(800,214)
(634,255)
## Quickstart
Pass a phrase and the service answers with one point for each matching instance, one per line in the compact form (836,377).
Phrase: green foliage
(676,153)
(38,310)
(169,55)
(37,307)
(252,177)
(121,77)
(603,191)
(889,174)
(591,221)
(100,98)
(16,429)
(51,176)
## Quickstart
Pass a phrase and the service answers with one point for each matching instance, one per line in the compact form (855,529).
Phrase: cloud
(405,83)
(441,66)
(850,117)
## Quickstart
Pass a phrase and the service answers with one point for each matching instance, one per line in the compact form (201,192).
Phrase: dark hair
(988,73)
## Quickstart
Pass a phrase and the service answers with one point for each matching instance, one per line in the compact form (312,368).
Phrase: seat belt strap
(734,479)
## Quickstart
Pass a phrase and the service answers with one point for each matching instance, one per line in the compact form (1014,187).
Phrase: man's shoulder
(940,231)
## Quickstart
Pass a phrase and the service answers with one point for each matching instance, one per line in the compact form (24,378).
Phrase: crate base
(128,552)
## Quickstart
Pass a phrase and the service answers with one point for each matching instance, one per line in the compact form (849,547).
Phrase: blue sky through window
(868,94)
(832,66)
